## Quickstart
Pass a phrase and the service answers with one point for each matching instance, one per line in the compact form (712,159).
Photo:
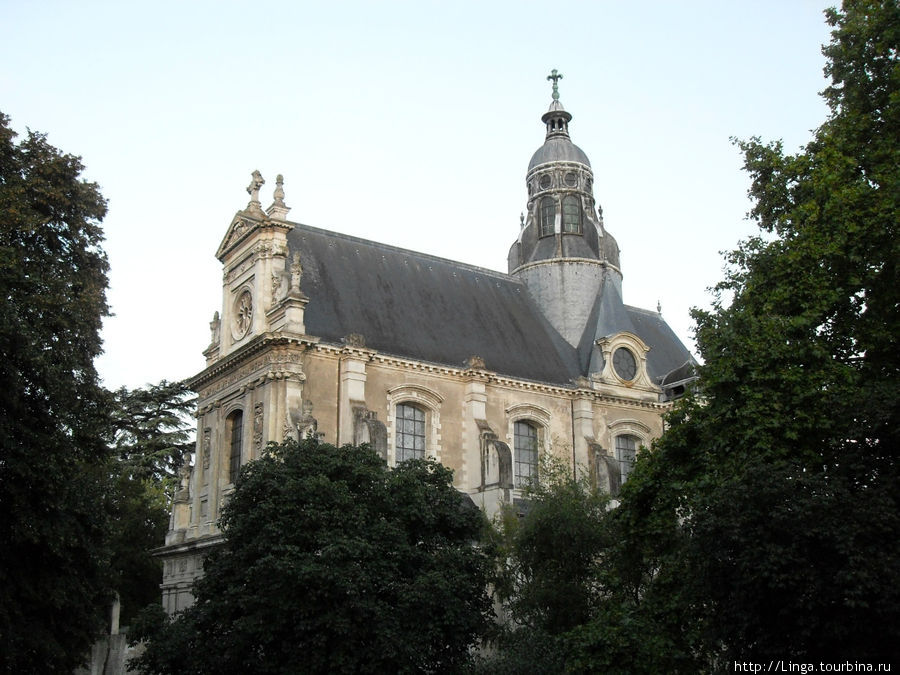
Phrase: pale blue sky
(410,123)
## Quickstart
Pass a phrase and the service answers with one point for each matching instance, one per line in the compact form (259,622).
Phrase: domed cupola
(557,147)
(560,218)
(563,254)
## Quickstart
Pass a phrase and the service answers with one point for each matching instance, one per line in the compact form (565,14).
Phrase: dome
(558,149)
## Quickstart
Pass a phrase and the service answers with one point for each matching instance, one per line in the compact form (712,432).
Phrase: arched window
(235,434)
(410,425)
(525,446)
(626,448)
(548,216)
(571,215)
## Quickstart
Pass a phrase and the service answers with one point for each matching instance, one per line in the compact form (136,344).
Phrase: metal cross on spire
(556,77)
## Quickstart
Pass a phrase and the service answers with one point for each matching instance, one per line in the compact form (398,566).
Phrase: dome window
(545,181)
(571,179)
(571,215)
(548,216)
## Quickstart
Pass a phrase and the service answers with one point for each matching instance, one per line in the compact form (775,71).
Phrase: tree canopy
(153,433)
(765,524)
(332,562)
(53,412)
(151,437)
(766,521)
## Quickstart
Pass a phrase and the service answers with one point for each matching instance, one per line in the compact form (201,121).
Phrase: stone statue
(307,425)
(207,447)
(215,328)
(258,426)
(296,273)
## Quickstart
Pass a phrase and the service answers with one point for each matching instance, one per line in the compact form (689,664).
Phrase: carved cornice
(241,356)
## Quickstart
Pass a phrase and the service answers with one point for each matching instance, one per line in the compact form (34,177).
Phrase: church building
(355,341)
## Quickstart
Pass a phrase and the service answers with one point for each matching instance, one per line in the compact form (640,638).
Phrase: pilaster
(354,360)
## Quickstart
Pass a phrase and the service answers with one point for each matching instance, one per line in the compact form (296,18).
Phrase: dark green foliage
(151,436)
(552,553)
(53,584)
(548,565)
(766,522)
(139,518)
(334,563)
(153,432)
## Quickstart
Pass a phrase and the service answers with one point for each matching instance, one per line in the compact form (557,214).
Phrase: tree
(53,582)
(151,438)
(547,568)
(775,496)
(153,433)
(332,562)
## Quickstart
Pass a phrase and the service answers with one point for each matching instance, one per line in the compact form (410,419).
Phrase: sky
(406,122)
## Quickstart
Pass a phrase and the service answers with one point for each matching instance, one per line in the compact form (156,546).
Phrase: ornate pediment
(241,226)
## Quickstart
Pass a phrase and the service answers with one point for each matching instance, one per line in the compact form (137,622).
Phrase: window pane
(525,446)
(237,431)
(626,450)
(571,220)
(548,216)
(410,424)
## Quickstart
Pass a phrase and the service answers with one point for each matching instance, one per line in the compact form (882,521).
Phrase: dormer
(624,369)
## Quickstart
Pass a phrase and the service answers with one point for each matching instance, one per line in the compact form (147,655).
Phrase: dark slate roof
(427,308)
(431,309)
(558,149)
(666,351)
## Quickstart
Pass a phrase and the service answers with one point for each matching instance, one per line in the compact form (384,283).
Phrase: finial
(278,210)
(279,190)
(521,220)
(556,77)
(658,307)
(255,184)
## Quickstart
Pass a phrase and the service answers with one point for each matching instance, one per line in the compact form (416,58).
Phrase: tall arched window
(626,449)
(525,446)
(410,425)
(571,215)
(236,433)
(548,216)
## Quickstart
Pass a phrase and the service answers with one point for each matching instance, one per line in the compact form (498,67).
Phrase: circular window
(624,364)
(571,179)
(243,315)
(545,181)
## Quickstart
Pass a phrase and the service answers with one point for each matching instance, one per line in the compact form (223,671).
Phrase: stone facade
(482,371)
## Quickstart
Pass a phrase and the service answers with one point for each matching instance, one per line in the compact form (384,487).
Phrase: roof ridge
(398,249)
(651,312)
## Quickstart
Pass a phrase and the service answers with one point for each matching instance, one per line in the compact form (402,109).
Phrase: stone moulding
(257,345)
